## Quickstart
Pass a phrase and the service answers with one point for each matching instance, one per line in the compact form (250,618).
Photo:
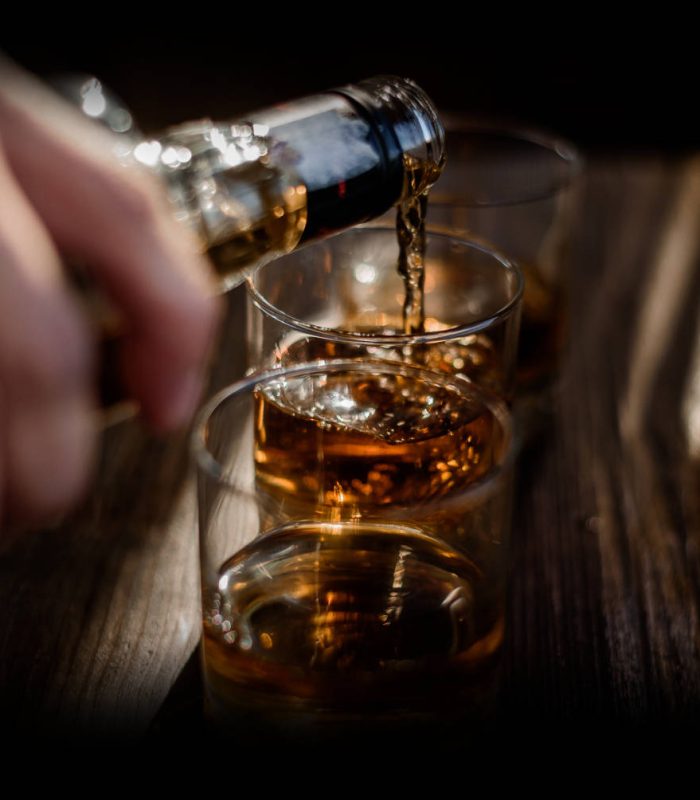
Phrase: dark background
(608,90)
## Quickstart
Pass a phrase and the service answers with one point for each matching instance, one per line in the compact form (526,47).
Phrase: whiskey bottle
(256,187)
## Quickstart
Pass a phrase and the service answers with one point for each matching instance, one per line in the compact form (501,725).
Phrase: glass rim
(565,150)
(350,337)
(208,464)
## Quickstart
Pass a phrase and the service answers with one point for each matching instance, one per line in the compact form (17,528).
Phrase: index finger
(118,221)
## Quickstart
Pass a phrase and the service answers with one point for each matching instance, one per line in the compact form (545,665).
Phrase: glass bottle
(258,186)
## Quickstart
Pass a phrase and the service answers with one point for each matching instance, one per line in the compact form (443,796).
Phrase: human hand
(64,192)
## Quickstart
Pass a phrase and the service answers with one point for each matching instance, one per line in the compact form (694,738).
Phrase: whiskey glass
(354,519)
(343,298)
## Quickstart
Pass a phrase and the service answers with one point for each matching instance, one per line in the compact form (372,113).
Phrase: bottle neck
(408,121)
(359,149)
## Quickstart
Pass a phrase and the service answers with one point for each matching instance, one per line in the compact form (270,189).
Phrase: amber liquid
(348,620)
(345,440)
(276,229)
(410,230)
(473,356)
(350,615)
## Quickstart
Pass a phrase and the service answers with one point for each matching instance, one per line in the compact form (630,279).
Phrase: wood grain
(100,616)
(604,599)
(101,613)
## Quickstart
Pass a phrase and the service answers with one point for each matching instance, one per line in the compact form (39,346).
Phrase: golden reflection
(691,404)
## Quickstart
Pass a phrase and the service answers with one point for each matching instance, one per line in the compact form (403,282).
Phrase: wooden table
(100,615)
